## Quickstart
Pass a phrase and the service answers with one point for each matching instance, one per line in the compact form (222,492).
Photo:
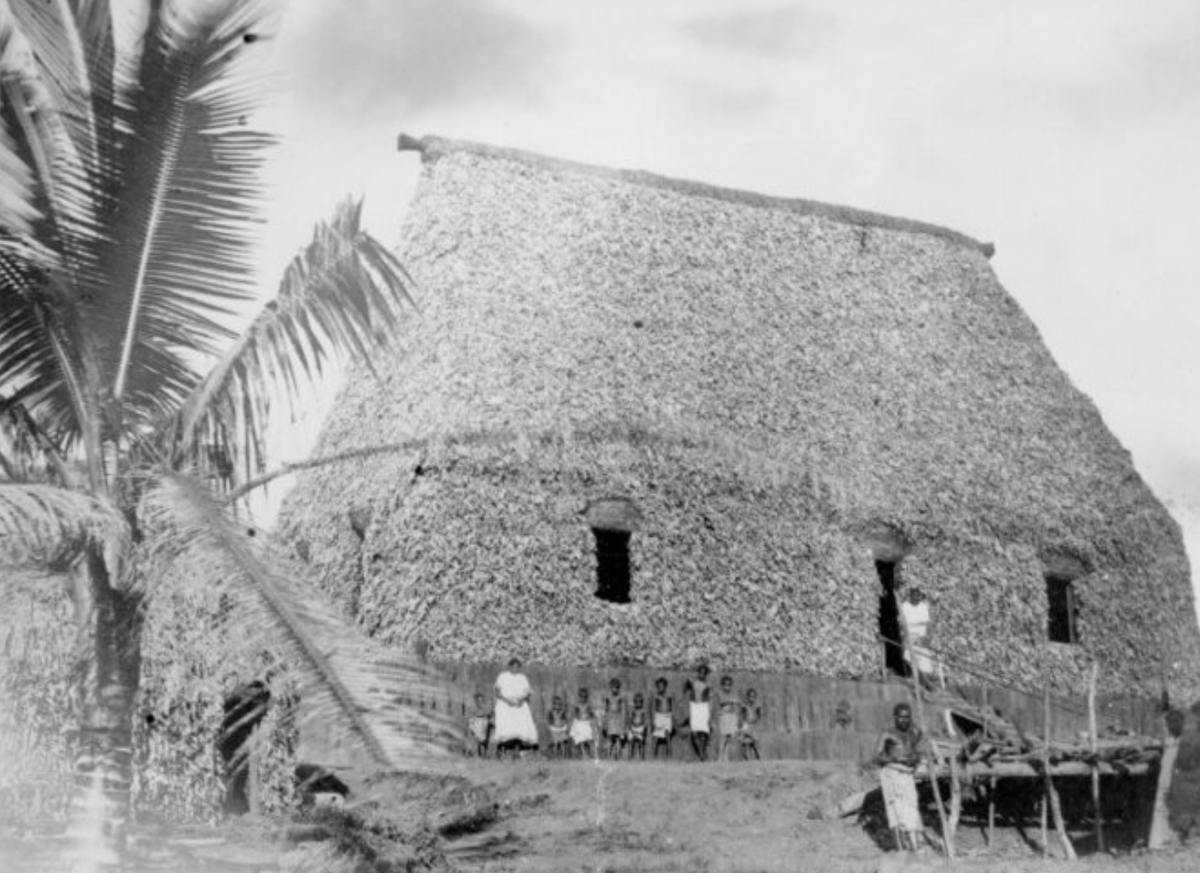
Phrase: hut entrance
(244,709)
(1060,592)
(889,620)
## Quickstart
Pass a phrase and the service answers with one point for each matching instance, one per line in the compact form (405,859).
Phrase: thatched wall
(188,668)
(785,391)
(37,632)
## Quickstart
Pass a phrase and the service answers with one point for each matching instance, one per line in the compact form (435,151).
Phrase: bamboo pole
(1051,792)
(955,796)
(1043,808)
(1091,701)
(991,828)
(947,836)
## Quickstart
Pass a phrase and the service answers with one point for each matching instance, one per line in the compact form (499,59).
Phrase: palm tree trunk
(104,686)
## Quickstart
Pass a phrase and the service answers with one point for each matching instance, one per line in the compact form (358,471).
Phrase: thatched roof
(785,391)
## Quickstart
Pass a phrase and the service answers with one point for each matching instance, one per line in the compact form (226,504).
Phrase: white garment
(900,797)
(582,732)
(514,719)
(1160,831)
(915,617)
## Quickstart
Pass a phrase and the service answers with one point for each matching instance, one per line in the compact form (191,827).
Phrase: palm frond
(42,526)
(73,44)
(42,124)
(38,358)
(31,452)
(341,297)
(47,241)
(183,225)
(343,682)
(17,209)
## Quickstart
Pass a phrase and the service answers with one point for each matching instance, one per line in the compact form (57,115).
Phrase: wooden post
(935,762)
(254,787)
(1051,792)
(1043,809)
(991,830)
(955,797)
(1091,701)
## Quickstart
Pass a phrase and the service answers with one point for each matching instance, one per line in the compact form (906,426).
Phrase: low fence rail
(804,717)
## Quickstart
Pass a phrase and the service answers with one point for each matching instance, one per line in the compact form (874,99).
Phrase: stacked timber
(987,744)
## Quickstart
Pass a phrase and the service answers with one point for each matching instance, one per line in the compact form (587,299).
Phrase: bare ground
(535,815)
(734,818)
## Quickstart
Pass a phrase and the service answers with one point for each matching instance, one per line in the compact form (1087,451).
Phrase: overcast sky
(1064,131)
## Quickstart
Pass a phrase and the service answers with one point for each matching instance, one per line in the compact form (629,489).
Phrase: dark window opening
(612,565)
(1060,592)
(889,620)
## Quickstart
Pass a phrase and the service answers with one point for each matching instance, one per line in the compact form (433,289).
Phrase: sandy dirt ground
(534,815)
(737,817)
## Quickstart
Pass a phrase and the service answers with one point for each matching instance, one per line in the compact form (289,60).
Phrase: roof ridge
(434,147)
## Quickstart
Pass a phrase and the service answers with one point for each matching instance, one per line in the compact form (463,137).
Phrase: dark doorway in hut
(243,710)
(889,620)
(612,565)
(1060,593)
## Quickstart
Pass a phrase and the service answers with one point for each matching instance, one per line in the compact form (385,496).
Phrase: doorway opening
(244,709)
(1063,603)
(889,620)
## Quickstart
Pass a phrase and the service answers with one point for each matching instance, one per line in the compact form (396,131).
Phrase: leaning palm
(129,194)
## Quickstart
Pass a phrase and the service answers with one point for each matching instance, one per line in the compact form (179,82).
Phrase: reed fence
(804,717)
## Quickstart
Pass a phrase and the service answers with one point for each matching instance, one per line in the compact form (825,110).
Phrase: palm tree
(128,199)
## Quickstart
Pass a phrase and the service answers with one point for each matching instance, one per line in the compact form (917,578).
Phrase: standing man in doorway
(915,621)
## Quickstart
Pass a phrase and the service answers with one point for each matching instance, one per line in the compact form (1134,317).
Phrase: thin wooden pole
(1051,792)
(1099,812)
(1043,810)
(935,762)
(955,797)
(991,830)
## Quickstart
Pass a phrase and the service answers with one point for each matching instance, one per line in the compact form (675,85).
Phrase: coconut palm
(129,194)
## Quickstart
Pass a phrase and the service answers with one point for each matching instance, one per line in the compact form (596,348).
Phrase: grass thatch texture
(883,365)
(708,575)
(37,631)
(186,670)
(190,664)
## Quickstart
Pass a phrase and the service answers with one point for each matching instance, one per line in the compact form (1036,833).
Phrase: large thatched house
(650,422)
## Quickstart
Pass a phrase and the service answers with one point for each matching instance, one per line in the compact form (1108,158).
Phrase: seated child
(559,726)
(582,734)
(639,726)
(664,717)
(479,727)
(614,719)
(751,716)
(728,714)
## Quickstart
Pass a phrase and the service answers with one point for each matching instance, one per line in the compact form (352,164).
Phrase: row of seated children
(618,729)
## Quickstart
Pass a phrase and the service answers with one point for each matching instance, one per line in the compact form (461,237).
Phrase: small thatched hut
(649,422)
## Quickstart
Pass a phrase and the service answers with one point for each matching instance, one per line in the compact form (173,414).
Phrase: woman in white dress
(514,719)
